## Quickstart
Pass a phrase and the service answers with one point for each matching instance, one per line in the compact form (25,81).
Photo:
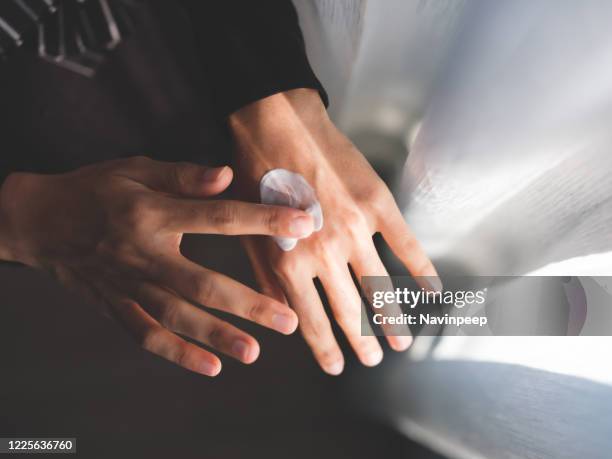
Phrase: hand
(291,130)
(113,231)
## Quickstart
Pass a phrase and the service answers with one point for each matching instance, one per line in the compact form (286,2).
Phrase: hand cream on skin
(281,187)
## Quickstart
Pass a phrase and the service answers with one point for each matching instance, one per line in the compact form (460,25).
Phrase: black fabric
(164,92)
(150,97)
(74,34)
(251,49)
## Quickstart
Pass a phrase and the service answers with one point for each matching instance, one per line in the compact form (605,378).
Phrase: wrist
(289,130)
(275,110)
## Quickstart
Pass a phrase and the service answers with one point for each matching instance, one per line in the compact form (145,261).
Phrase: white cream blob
(281,187)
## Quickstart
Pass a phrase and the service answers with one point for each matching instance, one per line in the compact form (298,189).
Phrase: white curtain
(512,167)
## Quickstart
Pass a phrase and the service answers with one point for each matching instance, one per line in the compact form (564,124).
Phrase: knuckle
(224,214)
(347,318)
(271,220)
(315,329)
(131,212)
(408,244)
(328,250)
(286,267)
(256,310)
(170,316)
(181,354)
(378,198)
(151,339)
(118,251)
(204,289)
(215,336)
(352,218)
(355,226)
(178,176)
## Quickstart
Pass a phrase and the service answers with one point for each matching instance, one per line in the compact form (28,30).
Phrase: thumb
(193,180)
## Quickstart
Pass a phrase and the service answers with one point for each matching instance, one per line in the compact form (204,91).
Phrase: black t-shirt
(165,91)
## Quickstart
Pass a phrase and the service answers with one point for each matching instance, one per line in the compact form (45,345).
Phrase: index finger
(236,217)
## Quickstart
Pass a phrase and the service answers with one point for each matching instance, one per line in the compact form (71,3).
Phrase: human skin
(112,231)
(291,130)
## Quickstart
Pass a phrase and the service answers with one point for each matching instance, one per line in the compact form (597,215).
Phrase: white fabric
(332,31)
(285,188)
(512,167)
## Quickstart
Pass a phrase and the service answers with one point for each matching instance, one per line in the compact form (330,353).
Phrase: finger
(405,246)
(314,324)
(346,306)
(178,315)
(236,217)
(209,288)
(180,178)
(156,339)
(264,276)
(367,264)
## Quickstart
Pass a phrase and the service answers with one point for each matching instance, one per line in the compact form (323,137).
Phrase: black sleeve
(250,50)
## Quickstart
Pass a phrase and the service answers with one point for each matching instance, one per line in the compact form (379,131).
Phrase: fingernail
(400,343)
(335,368)
(209,369)
(241,350)
(301,227)
(284,323)
(373,358)
(213,174)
